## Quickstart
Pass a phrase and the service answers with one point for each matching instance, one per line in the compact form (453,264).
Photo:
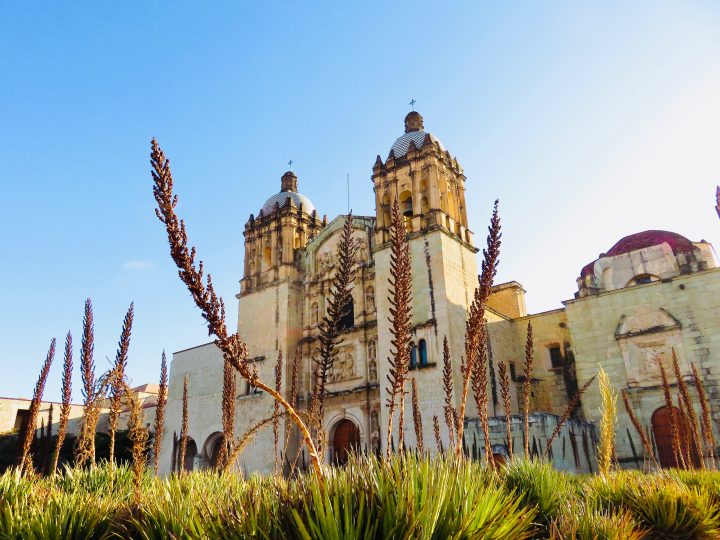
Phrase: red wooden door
(347,437)
(662,431)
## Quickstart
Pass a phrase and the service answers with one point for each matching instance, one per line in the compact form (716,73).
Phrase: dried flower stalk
(638,427)
(160,412)
(684,397)
(228,413)
(66,402)
(276,413)
(400,299)
(449,409)
(505,394)
(474,326)
(25,464)
(417,418)
(338,303)
(205,297)
(248,436)
(527,374)
(184,427)
(479,382)
(687,448)
(85,445)
(708,434)
(436,430)
(118,380)
(569,411)
(138,434)
(608,415)
(294,382)
(674,420)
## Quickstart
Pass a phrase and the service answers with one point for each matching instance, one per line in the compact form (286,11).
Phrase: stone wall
(574,449)
(624,330)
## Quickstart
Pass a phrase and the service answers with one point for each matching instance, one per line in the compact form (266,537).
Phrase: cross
(412,104)
(290,164)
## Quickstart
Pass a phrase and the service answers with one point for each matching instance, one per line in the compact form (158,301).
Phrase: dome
(414,132)
(282,197)
(288,190)
(645,239)
(678,243)
(402,143)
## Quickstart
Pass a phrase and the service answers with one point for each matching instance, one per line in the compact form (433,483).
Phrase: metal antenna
(348,191)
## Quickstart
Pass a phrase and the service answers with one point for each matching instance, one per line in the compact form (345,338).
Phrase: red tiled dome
(633,242)
(678,243)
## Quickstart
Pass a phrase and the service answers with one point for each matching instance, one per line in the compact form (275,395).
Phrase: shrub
(537,484)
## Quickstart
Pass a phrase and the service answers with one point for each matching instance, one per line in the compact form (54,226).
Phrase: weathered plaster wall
(690,307)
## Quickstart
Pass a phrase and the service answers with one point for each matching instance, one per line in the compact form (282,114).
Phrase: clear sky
(589,120)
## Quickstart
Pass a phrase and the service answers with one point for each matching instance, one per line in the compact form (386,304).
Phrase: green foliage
(10,449)
(583,522)
(537,483)
(407,497)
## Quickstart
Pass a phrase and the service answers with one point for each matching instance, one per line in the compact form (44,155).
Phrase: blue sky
(589,121)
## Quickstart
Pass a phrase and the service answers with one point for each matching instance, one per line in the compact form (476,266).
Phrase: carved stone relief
(343,367)
(647,334)
(325,262)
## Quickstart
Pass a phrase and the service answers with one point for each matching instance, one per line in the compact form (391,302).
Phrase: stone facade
(650,293)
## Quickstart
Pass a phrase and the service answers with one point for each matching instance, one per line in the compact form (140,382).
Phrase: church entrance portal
(345,440)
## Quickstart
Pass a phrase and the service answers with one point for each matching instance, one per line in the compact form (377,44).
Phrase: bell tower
(283,226)
(430,187)
(428,182)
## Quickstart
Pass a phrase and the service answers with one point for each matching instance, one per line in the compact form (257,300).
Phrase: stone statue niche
(372,363)
(370,299)
(374,432)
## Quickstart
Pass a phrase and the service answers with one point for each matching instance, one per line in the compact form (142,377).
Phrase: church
(651,293)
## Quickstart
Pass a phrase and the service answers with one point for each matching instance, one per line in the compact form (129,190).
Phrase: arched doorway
(211,450)
(345,439)
(662,432)
(190,453)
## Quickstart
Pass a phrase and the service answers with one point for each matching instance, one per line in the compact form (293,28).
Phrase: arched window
(347,320)
(406,203)
(267,257)
(642,279)
(387,220)
(413,356)
(422,348)
(424,206)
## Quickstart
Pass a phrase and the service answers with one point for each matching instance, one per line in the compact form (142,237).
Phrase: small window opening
(413,356)
(556,357)
(347,320)
(422,347)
